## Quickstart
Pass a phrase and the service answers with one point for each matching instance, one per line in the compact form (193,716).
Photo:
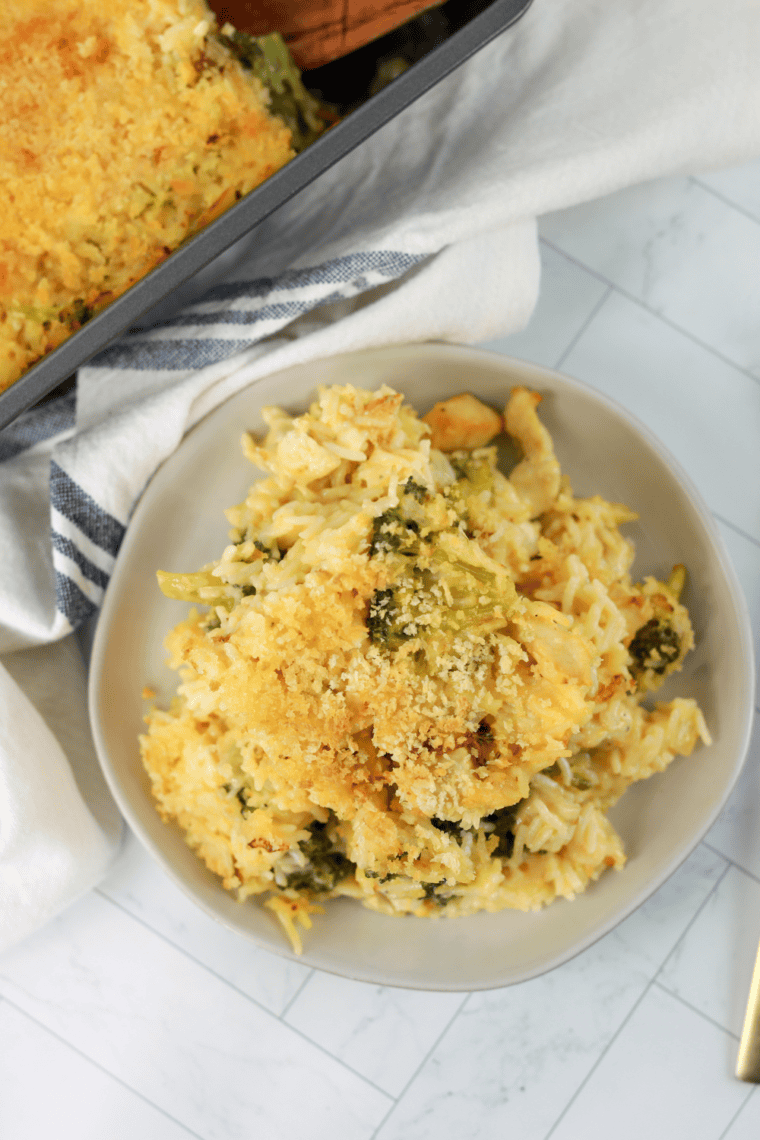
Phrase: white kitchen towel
(58,825)
(427,231)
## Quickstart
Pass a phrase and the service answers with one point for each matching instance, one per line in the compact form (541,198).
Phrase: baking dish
(197,253)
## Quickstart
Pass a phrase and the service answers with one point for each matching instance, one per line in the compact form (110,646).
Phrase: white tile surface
(185,1040)
(705,411)
(685,253)
(678,1058)
(651,932)
(139,1017)
(711,967)
(50,1090)
(739,185)
(736,833)
(514,1058)
(384,1034)
(746,1123)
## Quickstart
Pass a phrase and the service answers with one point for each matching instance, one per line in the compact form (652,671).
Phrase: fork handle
(748,1061)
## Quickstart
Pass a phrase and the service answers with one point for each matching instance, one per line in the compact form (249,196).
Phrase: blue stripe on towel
(186,354)
(89,570)
(341,270)
(68,498)
(168,355)
(274,312)
(38,424)
(71,602)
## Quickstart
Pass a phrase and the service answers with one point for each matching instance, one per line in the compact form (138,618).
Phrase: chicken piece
(559,653)
(462,422)
(537,477)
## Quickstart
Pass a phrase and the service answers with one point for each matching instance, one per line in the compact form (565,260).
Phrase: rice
(124,128)
(413,680)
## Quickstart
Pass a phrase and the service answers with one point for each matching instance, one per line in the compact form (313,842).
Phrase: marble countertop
(136,1016)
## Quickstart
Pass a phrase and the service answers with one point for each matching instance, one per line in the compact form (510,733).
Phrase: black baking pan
(245,215)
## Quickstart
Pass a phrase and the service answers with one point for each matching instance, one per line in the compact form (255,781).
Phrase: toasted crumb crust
(124,128)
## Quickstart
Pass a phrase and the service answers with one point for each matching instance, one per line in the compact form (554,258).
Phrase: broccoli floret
(326,866)
(383,623)
(476,471)
(475,594)
(435,603)
(438,587)
(270,61)
(391,532)
(473,476)
(655,646)
(432,894)
(501,823)
(416,490)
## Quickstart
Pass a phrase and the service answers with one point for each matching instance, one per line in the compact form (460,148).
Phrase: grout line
(736,1115)
(731,862)
(243,994)
(298,993)
(600,1058)
(636,1004)
(695,1009)
(574,340)
(652,312)
(580,264)
(97,1065)
(339,1061)
(738,529)
(421,1065)
(697,912)
(575,261)
(182,950)
(726,201)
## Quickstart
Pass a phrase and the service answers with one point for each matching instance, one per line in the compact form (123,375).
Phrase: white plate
(179,525)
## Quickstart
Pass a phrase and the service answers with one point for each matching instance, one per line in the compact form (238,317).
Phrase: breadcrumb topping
(124,128)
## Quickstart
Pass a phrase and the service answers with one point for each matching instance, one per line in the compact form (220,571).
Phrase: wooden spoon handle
(319,31)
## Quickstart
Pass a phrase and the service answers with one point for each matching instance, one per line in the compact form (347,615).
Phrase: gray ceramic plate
(179,524)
